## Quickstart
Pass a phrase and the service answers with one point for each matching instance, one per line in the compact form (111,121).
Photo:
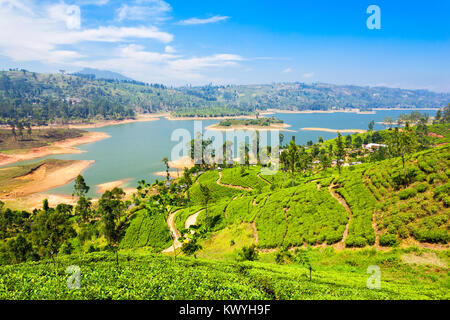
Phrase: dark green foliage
(248,254)
(388,240)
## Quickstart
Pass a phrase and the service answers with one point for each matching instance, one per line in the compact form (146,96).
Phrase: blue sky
(225,42)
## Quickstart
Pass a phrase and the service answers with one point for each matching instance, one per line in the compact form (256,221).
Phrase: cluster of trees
(59,97)
(46,232)
(264,122)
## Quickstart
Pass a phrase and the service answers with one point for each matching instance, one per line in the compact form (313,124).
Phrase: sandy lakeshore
(139,118)
(172,118)
(181,163)
(323,111)
(335,130)
(272,127)
(45,178)
(173,174)
(108,186)
(59,147)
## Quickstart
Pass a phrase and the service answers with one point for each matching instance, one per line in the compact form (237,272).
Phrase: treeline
(51,97)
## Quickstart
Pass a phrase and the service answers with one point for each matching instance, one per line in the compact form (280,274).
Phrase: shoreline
(172,118)
(59,147)
(358,111)
(172,174)
(108,186)
(42,180)
(335,130)
(355,110)
(181,163)
(273,127)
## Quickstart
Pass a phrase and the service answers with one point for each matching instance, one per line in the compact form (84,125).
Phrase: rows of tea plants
(245,177)
(314,217)
(149,277)
(214,217)
(217,191)
(362,204)
(241,210)
(147,230)
(271,219)
(420,207)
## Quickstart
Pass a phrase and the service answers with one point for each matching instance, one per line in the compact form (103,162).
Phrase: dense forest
(59,98)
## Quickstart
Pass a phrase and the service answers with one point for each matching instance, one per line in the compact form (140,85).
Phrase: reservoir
(135,150)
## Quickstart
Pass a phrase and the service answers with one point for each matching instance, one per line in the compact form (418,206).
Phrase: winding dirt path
(230,185)
(263,179)
(341,244)
(190,221)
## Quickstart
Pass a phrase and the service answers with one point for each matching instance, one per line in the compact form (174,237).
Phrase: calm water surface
(135,150)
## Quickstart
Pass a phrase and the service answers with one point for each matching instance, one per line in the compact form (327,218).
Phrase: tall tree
(371,125)
(50,230)
(291,158)
(401,143)
(165,160)
(206,198)
(80,187)
(339,152)
(110,208)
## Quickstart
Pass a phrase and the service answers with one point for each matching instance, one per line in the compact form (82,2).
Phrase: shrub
(248,254)
(407,193)
(421,187)
(388,240)
(355,241)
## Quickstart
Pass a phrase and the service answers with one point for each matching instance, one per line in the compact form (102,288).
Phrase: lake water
(135,150)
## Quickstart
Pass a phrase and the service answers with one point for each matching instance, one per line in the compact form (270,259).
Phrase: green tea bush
(407,193)
(422,187)
(388,240)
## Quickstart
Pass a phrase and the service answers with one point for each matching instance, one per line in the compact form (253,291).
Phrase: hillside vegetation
(148,276)
(47,98)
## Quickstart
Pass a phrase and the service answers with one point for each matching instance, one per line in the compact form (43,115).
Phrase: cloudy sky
(222,42)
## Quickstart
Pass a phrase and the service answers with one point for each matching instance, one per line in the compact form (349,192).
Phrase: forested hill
(51,97)
(319,96)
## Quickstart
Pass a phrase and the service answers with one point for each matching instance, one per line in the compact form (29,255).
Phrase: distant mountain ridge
(103,74)
(82,96)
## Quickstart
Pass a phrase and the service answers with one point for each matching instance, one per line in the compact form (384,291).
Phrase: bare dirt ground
(180,164)
(45,178)
(341,244)
(60,147)
(190,221)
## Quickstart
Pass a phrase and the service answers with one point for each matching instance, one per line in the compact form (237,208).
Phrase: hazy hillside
(101,74)
(56,97)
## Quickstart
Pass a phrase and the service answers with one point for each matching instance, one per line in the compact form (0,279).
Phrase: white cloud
(40,34)
(195,64)
(194,21)
(308,75)
(54,35)
(92,2)
(170,49)
(287,70)
(69,14)
(150,9)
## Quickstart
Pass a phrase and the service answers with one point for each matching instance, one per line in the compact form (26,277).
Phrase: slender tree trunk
(174,251)
(404,170)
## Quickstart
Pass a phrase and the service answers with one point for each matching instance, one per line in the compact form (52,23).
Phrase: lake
(135,150)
